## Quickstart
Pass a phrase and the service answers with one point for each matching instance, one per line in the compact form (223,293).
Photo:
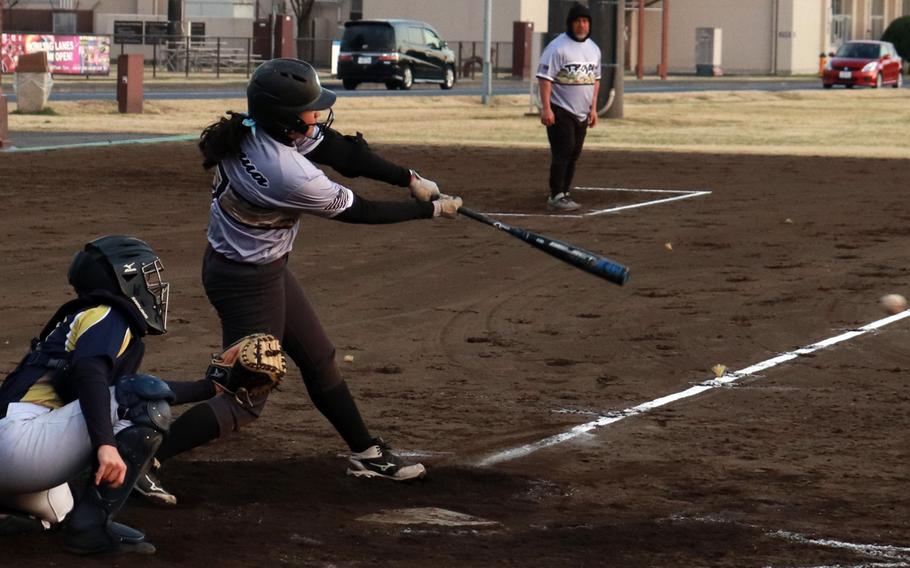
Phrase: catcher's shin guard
(88,528)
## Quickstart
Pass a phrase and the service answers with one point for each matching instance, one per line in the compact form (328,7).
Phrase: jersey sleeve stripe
(83,322)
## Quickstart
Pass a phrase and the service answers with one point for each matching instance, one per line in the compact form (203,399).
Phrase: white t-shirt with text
(573,67)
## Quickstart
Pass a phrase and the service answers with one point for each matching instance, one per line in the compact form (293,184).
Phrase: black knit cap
(578,10)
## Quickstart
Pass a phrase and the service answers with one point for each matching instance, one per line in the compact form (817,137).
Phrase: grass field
(856,123)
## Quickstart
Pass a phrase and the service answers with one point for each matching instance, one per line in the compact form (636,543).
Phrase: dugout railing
(193,54)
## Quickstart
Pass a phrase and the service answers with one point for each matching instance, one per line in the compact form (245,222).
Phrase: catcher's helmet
(279,90)
(128,267)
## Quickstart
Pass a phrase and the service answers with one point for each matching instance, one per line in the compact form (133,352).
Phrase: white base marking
(616,416)
(427,516)
(677,195)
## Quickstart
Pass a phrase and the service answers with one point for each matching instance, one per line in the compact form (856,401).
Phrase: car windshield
(859,50)
(368,37)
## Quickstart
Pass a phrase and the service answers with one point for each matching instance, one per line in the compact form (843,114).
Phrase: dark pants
(252,298)
(566,136)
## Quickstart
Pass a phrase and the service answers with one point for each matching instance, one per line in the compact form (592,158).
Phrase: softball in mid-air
(893,303)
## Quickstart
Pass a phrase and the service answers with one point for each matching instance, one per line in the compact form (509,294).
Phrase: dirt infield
(467,343)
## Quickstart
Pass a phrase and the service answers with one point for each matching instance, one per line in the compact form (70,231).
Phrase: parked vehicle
(398,53)
(869,63)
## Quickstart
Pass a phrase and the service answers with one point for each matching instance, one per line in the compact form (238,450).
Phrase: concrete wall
(759,36)
(462,20)
(196,9)
(801,35)
(745,24)
(214,27)
(534,11)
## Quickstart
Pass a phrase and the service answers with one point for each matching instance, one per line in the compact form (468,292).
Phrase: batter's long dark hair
(222,138)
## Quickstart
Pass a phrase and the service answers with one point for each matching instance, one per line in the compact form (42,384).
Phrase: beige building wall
(746,27)
(782,37)
(801,38)
(462,20)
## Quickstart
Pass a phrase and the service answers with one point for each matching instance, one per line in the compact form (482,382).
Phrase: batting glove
(423,189)
(446,206)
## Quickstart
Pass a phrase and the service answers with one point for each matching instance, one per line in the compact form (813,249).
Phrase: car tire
(878,81)
(827,86)
(448,78)
(391,85)
(407,79)
(848,86)
(349,84)
(899,82)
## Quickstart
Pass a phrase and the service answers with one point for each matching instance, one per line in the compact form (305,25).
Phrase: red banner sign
(66,54)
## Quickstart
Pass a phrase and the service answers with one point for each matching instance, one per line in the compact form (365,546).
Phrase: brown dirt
(467,342)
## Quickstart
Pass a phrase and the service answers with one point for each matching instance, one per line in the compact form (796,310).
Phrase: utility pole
(664,38)
(640,69)
(487,70)
(608,31)
(4,124)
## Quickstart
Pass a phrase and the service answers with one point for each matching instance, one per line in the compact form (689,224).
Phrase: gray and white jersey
(573,68)
(270,175)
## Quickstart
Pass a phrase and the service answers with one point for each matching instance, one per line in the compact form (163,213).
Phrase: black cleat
(150,488)
(379,461)
(16,524)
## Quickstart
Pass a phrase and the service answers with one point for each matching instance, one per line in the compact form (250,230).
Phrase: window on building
(877,19)
(64,23)
(906,10)
(357,9)
(197,32)
(841,23)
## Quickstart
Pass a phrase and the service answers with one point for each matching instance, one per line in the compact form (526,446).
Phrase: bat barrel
(616,273)
(576,256)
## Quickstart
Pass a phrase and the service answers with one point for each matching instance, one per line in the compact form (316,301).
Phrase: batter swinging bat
(578,257)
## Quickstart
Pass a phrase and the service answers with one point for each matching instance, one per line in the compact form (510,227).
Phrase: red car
(869,63)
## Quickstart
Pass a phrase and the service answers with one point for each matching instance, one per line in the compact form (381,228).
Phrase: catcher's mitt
(250,367)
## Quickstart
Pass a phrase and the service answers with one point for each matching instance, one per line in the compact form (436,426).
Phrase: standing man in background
(569,75)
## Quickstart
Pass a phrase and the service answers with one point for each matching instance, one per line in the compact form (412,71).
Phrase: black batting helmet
(127,267)
(280,90)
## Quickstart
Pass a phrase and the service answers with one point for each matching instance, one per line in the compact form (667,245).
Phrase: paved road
(71,92)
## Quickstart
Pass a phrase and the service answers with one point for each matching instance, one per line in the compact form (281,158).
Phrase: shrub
(898,33)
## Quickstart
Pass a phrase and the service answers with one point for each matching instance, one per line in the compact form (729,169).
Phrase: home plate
(427,516)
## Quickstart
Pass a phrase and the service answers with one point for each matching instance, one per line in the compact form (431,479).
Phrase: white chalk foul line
(874,550)
(898,554)
(678,194)
(727,378)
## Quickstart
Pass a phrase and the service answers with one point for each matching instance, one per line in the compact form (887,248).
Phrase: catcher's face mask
(158,288)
